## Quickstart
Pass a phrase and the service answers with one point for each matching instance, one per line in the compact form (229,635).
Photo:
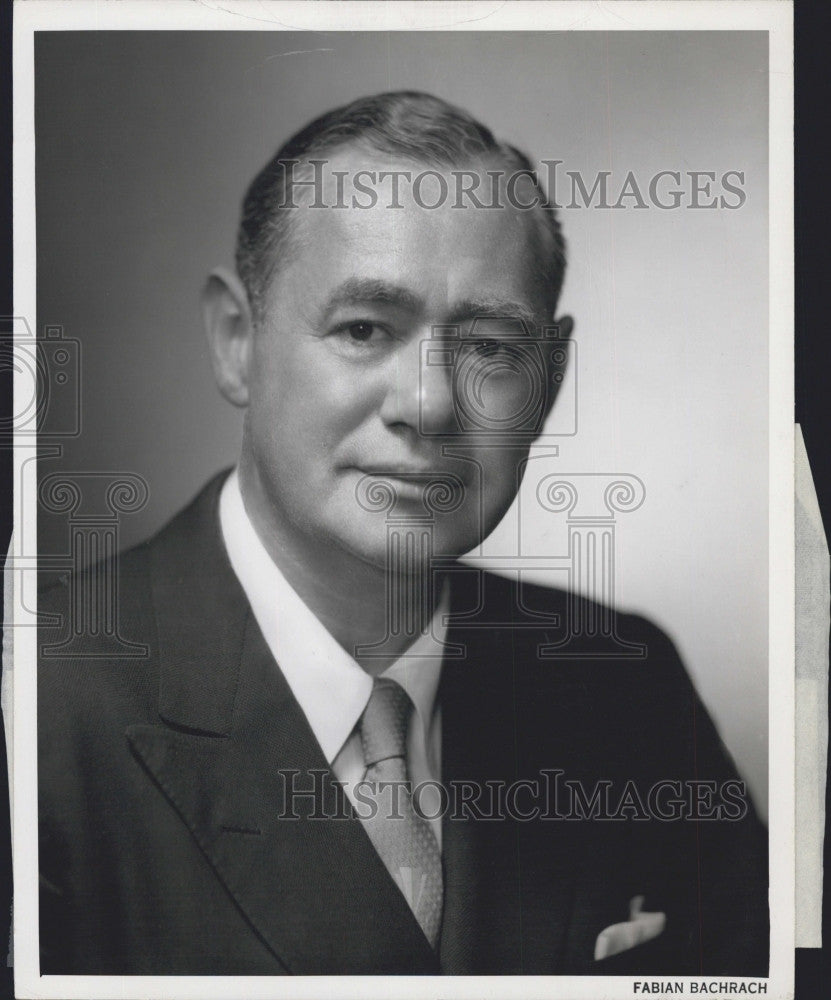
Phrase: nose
(420,388)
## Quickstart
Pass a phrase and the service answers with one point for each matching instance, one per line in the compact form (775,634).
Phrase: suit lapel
(481,880)
(509,884)
(234,745)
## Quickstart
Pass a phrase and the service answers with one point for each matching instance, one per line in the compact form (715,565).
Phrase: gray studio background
(146,141)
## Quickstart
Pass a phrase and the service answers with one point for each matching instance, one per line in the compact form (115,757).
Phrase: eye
(361,338)
(493,351)
(490,348)
(362,331)
(487,347)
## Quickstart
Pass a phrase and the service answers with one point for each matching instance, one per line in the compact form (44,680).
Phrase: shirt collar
(330,686)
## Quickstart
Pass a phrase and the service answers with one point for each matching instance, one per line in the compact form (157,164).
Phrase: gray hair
(405,124)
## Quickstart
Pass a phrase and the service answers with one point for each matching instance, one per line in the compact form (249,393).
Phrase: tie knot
(384,723)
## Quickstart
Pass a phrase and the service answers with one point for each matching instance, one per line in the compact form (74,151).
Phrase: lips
(421,475)
(439,489)
(382,469)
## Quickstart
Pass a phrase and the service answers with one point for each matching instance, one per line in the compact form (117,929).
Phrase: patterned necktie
(402,838)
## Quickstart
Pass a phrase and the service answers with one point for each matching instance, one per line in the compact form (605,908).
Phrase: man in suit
(345,751)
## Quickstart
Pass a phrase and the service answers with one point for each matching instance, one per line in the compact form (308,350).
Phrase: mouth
(397,470)
(422,475)
(407,487)
(417,483)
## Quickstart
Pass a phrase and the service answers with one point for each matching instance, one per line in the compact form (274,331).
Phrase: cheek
(499,469)
(304,402)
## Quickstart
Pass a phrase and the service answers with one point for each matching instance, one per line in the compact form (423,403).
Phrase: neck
(351,598)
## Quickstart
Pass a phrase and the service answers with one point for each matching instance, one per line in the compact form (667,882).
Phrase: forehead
(376,222)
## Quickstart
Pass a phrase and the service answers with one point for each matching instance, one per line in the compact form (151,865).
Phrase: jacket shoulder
(573,627)
(618,671)
(98,643)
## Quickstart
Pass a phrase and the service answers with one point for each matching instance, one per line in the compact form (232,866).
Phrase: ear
(229,327)
(566,328)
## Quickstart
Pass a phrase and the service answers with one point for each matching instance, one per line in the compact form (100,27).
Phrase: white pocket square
(639,928)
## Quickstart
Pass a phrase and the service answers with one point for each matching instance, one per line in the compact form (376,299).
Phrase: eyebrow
(358,291)
(492,309)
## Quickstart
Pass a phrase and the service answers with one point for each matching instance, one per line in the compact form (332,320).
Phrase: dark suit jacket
(161,789)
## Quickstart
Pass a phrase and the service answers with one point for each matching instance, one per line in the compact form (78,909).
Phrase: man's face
(341,400)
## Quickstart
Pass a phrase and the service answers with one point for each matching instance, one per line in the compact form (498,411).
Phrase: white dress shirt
(330,686)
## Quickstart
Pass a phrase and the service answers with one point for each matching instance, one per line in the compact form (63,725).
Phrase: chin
(360,540)
(405,545)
